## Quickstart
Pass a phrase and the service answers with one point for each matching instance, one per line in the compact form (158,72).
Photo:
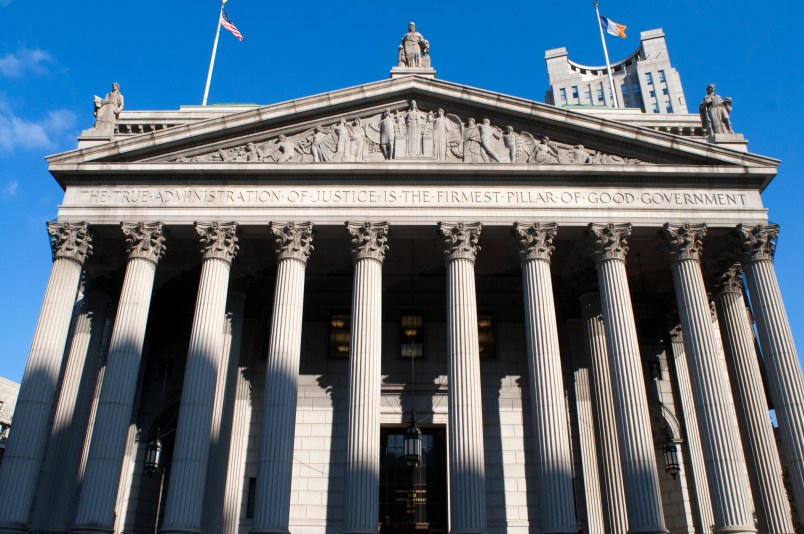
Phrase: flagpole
(616,101)
(214,51)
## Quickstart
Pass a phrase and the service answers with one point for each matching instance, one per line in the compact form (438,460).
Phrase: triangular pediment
(408,120)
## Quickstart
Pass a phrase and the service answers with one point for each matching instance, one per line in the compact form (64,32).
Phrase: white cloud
(20,132)
(10,190)
(24,60)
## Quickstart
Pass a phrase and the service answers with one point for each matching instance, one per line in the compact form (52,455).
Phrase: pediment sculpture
(411,135)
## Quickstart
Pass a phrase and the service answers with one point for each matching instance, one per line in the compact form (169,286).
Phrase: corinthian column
(71,244)
(553,462)
(96,505)
(467,470)
(272,501)
(773,509)
(362,453)
(640,479)
(778,350)
(719,440)
(594,336)
(188,469)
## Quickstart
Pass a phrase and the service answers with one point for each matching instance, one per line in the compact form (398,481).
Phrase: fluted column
(467,470)
(640,479)
(589,465)
(361,503)
(682,243)
(772,506)
(594,335)
(57,498)
(96,504)
(188,469)
(548,409)
(216,498)
(785,381)
(71,244)
(272,501)
(697,467)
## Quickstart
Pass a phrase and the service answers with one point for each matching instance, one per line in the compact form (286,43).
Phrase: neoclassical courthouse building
(458,310)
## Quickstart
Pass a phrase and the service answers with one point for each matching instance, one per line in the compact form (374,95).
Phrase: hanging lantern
(413,443)
(671,465)
(153,456)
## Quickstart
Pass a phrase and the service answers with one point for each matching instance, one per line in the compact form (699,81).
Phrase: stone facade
(291,282)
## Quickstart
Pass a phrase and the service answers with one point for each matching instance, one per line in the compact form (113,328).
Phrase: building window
(588,95)
(653,93)
(649,78)
(563,92)
(574,91)
(411,335)
(485,335)
(624,88)
(339,335)
(656,108)
(669,107)
(662,77)
(664,91)
(600,97)
(252,492)
(636,89)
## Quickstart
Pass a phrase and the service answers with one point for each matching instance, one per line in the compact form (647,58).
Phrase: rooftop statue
(715,112)
(106,111)
(414,51)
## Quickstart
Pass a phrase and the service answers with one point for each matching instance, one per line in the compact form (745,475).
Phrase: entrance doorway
(414,499)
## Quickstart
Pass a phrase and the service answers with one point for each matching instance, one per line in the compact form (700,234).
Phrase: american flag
(229,25)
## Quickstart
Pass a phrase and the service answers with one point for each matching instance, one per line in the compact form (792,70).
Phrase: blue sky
(55,55)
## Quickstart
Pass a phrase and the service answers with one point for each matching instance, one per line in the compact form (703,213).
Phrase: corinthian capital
(609,241)
(293,240)
(682,241)
(727,280)
(758,242)
(368,240)
(218,240)
(459,240)
(144,240)
(535,241)
(70,241)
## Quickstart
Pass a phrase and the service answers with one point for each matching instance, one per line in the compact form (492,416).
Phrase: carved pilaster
(70,241)
(608,241)
(368,240)
(535,241)
(460,240)
(144,240)
(293,240)
(218,240)
(682,241)
(758,242)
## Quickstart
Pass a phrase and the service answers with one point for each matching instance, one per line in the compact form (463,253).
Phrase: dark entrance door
(414,499)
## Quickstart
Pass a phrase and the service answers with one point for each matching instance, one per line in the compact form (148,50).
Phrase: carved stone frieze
(368,240)
(535,241)
(459,240)
(218,240)
(758,242)
(409,134)
(682,241)
(70,241)
(608,241)
(144,240)
(293,240)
